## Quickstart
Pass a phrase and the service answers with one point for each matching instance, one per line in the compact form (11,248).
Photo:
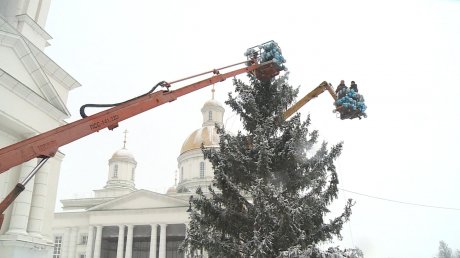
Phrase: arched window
(115,171)
(201,169)
(210,115)
(132,174)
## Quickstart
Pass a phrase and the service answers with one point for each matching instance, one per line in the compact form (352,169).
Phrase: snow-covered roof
(123,154)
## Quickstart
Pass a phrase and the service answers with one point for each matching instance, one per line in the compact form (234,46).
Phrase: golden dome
(206,135)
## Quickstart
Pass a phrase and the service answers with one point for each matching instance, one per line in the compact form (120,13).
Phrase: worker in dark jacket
(341,89)
(354,86)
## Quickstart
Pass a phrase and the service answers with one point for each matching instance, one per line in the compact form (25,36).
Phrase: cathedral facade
(33,96)
(121,221)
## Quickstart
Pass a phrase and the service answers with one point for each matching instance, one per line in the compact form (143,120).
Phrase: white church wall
(140,216)
(26,114)
(11,64)
(70,219)
(53,179)
(7,180)
(62,91)
(190,161)
(7,8)
(137,208)
(43,12)
(208,171)
(30,8)
(124,167)
(119,217)
(29,29)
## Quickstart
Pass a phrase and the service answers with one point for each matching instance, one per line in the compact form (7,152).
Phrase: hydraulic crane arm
(312,94)
(46,144)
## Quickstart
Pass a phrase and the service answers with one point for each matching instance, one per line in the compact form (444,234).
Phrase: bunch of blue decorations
(271,51)
(351,101)
(268,51)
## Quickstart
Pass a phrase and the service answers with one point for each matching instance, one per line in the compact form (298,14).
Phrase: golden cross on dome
(213,90)
(124,142)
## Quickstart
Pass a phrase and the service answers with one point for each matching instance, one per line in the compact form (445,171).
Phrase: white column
(31,8)
(65,242)
(89,244)
(72,242)
(153,241)
(42,13)
(50,202)
(97,242)
(37,207)
(21,206)
(129,242)
(162,253)
(121,240)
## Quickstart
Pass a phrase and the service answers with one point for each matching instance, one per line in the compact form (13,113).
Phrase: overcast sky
(404,56)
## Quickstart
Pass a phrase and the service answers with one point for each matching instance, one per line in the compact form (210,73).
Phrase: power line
(401,202)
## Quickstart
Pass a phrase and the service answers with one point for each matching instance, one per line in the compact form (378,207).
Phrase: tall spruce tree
(272,183)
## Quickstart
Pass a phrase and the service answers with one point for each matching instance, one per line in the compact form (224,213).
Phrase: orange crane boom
(46,145)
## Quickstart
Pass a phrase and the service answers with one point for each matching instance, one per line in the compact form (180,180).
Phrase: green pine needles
(272,183)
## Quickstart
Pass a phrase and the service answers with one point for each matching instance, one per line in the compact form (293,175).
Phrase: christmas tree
(273,182)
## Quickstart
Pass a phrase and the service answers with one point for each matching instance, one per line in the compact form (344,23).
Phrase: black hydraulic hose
(82,108)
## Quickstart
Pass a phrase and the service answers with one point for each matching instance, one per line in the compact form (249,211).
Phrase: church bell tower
(121,175)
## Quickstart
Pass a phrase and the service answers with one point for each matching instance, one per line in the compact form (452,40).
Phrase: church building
(33,96)
(121,221)
(33,92)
